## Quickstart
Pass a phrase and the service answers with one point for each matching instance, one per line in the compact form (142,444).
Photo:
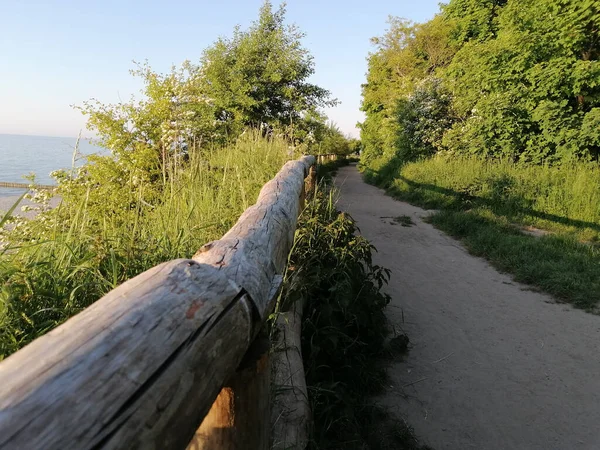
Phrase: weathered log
(290,415)
(311,181)
(138,369)
(262,237)
(240,416)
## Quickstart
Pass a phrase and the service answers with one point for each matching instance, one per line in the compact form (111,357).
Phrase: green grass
(405,221)
(103,234)
(563,199)
(557,264)
(485,203)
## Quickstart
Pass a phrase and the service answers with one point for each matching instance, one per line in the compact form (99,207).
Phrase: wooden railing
(327,157)
(5,184)
(142,367)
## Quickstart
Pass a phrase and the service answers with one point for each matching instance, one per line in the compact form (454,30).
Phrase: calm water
(21,155)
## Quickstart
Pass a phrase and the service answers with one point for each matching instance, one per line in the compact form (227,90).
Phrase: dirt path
(494,365)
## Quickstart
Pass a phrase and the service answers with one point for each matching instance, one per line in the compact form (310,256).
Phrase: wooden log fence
(5,184)
(325,158)
(171,359)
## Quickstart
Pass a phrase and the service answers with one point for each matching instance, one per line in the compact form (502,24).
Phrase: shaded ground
(493,365)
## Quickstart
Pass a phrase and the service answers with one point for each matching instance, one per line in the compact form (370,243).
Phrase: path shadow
(501,201)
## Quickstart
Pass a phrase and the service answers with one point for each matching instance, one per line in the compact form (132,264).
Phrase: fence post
(240,416)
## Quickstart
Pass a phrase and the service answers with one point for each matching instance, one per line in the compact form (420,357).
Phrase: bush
(344,331)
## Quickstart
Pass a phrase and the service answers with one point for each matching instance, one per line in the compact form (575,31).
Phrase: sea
(22,155)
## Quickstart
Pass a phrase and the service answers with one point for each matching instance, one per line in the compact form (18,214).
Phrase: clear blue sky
(55,53)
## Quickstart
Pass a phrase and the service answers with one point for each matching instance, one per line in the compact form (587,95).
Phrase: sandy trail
(495,365)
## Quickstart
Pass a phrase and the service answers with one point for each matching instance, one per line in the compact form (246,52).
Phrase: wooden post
(240,416)
(291,416)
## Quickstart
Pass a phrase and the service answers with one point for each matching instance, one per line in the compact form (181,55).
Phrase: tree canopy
(257,78)
(503,78)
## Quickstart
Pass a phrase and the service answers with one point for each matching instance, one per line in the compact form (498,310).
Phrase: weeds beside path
(492,364)
(487,204)
(345,335)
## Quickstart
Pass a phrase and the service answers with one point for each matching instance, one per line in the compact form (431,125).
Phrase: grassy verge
(113,224)
(345,338)
(484,203)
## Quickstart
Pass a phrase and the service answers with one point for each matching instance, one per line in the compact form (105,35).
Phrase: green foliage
(422,119)
(333,141)
(355,146)
(514,79)
(173,117)
(558,265)
(509,120)
(259,76)
(563,199)
(344,329)
(108,229)
(407,58)
(326,171)
(528,92)
(473,20)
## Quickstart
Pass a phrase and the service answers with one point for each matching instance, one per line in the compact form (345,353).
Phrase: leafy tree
(502,78)
(423,118)
(473,19)
(355,146)
(259,76)
(532,92)
(333,141)
(406,56)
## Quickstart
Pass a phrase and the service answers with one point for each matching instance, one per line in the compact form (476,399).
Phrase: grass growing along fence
(345,343)
(485,202)
(99,236)
(54,266)
(562,198)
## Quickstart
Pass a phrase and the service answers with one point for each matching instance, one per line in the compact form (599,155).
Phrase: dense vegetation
(345,335)
(493,205)
(68,257)
(501,78)
(491,112)
(185,160)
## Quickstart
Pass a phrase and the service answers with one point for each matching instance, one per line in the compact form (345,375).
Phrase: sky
(59,53)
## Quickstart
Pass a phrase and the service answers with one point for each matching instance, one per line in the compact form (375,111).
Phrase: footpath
(492,364)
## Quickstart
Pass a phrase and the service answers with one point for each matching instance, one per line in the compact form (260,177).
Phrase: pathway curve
(492,365)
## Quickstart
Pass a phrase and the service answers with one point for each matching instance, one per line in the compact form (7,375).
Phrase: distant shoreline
(46,136)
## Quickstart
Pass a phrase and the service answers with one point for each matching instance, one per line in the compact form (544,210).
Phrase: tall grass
(564,198)
(485,202)
(66,258)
